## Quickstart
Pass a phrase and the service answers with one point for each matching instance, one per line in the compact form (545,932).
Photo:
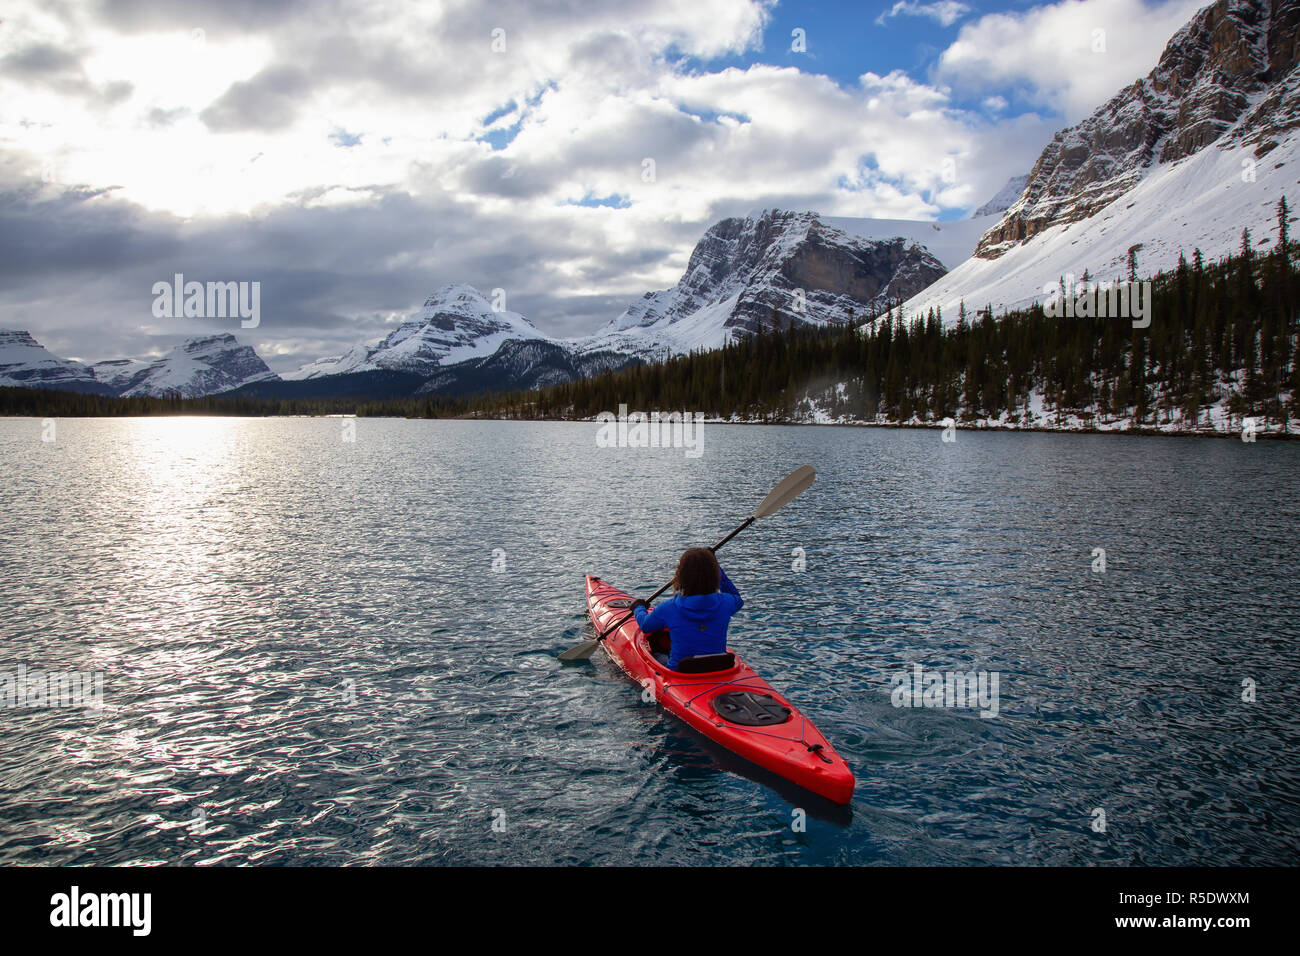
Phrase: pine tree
(1133,250)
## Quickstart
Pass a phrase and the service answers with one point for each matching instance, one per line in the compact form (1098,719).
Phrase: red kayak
(722,698)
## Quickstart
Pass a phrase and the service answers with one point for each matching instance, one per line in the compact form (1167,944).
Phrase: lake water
(326,651)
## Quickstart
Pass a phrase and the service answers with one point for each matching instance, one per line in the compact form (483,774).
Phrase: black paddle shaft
(630,614)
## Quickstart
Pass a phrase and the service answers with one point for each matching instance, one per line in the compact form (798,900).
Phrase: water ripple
(310,659)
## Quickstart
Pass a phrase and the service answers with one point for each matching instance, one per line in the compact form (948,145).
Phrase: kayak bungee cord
(803,721)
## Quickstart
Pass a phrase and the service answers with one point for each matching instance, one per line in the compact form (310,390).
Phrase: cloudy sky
(353,155)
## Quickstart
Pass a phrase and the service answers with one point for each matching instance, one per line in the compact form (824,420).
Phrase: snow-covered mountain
(770,270)
(456,324)
(199,366)
(1213,77)
(26,363)
(1184,158)
(1005,198)
(523,364)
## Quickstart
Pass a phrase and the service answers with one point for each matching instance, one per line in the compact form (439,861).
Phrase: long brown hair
(697,573)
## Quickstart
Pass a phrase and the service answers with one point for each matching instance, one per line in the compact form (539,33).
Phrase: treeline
(50,403)
(44,402)
(1220,333)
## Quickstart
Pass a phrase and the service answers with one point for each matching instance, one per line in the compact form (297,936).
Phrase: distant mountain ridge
(1005,199)
(772,269)
(204,365)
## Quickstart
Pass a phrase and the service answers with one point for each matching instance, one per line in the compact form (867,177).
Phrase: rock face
(200,366)
(1227,77)
(772,270)
(456,324)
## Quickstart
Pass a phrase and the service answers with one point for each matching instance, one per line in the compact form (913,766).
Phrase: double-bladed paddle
(780,496)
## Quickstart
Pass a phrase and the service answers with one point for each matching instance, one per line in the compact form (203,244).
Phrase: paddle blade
(580,652)
(780,496)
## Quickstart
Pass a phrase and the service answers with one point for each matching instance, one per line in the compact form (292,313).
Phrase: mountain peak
(457,293)
(203,365)
(461,300)
(455,324)
(772,269)
(17,337)
(202,342)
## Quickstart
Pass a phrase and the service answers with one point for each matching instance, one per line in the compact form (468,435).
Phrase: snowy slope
(1197,202)
(704,328)
(1228,73)
(456,324)
(200,366)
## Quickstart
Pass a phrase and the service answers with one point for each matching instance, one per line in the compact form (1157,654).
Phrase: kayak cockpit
(658,643)
(707,663)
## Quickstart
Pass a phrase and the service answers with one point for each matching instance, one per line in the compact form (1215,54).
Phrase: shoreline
(1273,434)
(1145,432)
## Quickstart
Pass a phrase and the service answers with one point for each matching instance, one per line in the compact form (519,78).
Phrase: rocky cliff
(1229,74)
(771,270)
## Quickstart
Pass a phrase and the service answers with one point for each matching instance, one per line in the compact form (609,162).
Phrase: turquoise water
(326,651)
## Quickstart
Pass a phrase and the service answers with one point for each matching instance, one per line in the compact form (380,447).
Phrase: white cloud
(943,12)
(222,122)
(230,149)
(1055,56)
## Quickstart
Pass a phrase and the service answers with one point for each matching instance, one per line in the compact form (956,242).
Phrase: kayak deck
(793,749)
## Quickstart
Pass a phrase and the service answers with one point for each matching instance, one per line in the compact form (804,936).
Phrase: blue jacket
(696,624)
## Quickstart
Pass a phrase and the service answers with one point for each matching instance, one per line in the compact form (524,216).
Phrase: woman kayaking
(697,617)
